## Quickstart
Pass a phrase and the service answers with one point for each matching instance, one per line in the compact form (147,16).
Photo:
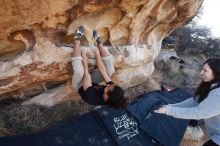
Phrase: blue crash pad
(137,125)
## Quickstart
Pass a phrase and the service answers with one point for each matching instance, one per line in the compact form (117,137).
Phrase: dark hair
(116,98)
(205,87)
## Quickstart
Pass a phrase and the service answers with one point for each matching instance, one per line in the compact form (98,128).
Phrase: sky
(211,16)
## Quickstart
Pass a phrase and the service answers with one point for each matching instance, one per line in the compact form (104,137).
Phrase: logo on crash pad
(125,127)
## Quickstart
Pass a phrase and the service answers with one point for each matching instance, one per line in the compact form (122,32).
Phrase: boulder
(36,39)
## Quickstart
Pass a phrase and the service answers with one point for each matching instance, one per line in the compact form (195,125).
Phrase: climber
(87,85)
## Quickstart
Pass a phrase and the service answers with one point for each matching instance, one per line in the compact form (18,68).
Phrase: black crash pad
(135,126)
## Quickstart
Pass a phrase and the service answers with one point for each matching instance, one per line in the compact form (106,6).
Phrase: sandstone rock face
(36,41)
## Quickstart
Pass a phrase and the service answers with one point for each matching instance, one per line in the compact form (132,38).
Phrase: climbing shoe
(97,37)
(79,33)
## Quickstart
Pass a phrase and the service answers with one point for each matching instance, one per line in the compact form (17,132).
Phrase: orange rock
(36,37)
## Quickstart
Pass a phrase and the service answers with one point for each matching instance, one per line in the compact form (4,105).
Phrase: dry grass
(3,130)
(25,119)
